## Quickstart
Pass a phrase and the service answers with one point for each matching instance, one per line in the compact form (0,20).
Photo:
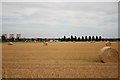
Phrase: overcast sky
(56,19)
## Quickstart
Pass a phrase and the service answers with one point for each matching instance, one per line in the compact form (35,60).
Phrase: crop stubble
(56,60)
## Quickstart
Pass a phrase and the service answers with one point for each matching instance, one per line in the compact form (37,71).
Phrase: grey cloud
(73,16)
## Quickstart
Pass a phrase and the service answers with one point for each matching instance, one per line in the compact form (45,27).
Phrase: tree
(59,39)
(85,38)
(12,39)
(72,38)
(96,38)
(18,39)
(75,38)
(100,38)
(78,38)
(33,39)
(68,39)
(93,38)
(89,38)
(3,38)
(64,39)
(82,38)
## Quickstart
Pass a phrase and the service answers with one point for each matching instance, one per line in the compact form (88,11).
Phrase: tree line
(4,39)
(83,38)
(71,38)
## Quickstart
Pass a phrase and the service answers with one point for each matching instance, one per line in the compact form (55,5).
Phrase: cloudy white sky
(56,19)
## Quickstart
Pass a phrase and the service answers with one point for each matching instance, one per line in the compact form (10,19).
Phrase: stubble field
(56,60)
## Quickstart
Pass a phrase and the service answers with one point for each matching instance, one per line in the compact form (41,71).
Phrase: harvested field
(56,60)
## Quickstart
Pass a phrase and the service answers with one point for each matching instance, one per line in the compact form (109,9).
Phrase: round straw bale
(108,54)
(92,41)
(73,41)
(35,41)
(108,43)
(45,43)
(10,43)
(26,40)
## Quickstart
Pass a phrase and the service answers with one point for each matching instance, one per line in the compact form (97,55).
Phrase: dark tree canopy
(96,38)
(93,38)
(85,38)
(3,38)
(33,39)
(82,38)
(100,38)
(12,39)
(18,38)
(78,38)
(89,38)
(75,39)
(64,38)
(72,38)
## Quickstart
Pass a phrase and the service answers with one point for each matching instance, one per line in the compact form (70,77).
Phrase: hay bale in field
(74,42)
(35,41)
(26,40)
(10,43)
(108,54)
(92,41)
(108,43)
(45,43)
